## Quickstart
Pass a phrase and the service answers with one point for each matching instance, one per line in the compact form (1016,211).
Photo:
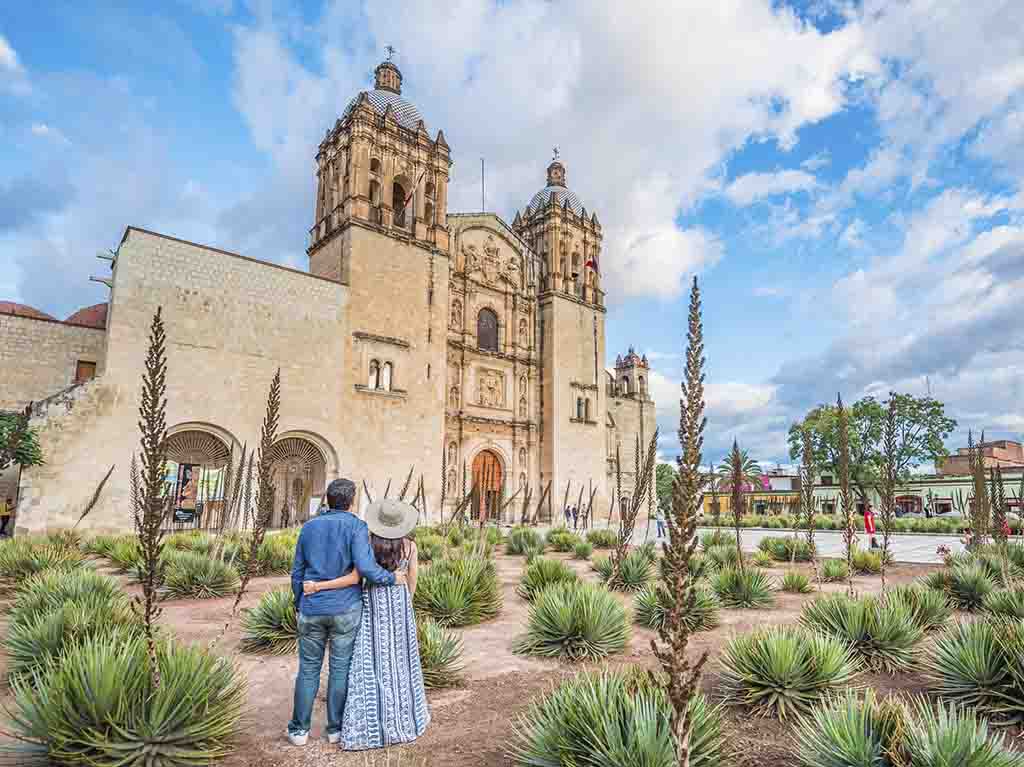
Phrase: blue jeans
(661,528)
(315,631)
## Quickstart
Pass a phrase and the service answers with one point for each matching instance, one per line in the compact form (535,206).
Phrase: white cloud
(42,130)
(758,186)
(13,76)
(817,161)
(9,58)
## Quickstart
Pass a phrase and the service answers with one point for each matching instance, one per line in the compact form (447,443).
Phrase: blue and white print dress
(387,703)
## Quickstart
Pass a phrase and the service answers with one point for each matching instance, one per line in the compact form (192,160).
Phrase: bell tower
(378,168)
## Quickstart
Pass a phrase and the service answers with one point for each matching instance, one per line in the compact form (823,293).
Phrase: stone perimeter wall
(231,322)
(38,357)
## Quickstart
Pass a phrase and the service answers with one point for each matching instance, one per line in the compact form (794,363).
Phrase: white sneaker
(298,739)
(334,738)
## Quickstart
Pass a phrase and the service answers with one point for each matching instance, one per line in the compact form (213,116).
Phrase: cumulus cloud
(758,186)
(42,130)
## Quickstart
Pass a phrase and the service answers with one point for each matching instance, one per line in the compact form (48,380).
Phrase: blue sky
(844,178)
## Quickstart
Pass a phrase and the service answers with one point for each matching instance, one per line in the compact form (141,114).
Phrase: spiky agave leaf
(635,572)
(1007,602)
(540,574)
(948,734)
(612,718)
(882,633)
(747,588)
(834,570)
(969,585)
(866,562)
(603,538)
(602,565)
(440,655)
(784,670)
(49,590)
(763,559)
(575,621)
(460,590)
(272,625)
(794,582)
(850,730)
(275,555)
(521,540)
(722,555)
(583,550)
(649,609)
(195,576)
(928,608)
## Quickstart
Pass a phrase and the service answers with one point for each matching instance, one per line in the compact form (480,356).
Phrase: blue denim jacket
(329,546)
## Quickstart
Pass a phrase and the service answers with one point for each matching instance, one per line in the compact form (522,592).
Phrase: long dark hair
(388,551)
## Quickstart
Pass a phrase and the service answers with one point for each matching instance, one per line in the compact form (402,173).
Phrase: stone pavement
(917,549)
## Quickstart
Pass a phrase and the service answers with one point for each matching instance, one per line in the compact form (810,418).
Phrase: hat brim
(382,529)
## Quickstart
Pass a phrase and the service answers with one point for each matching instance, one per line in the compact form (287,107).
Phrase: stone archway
(299,473)
(195,477)
(488,478)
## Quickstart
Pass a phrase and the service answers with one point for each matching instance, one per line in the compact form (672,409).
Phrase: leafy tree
(18,441)
(665,477)
(735,474)
(920,428)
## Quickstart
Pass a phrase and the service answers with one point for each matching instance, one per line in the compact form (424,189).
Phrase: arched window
(579,409)
(428,214)
(643,386)
(398,202)
(374,202)
(625,385)
(487,330)
(374,382)
(586,410)
(428,190)
(385,376)
(374,165)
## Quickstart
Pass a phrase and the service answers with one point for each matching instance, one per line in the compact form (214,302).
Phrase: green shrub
(635,572)
(522,540)
(928,609)
(717,538)
(196,576)
(603,538)
(275,555)
(420,531)
(429,547)
(980,664)
(867,562)
(97,705)
(99,545)
(193,540)
(965,585)
(763,559)
(272,625)
(21,558)
(881,632)
(796,582)
(602,565)
(532,552)
(649,609)
(612,719)
(49,590)
(459,590)
(1006,602)
(853,730)
(125,554)
(583,550)
(722,555)
(700,567)
(649,550)
(575,621)
(562,540)
(440,655)
(782,670)
(541,573)
(833,570)
(457,535)
(473,546)
(743,588)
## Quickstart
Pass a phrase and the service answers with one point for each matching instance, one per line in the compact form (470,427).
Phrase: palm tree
(735,474)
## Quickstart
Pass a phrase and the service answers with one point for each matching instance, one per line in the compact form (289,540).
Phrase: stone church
(453,344)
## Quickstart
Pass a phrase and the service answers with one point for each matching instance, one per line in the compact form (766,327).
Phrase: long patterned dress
(387,703)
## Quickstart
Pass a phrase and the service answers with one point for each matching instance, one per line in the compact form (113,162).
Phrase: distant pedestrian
(659,519)
(968,538)
(575,517)
(869,525)
(6,509)
(568,515)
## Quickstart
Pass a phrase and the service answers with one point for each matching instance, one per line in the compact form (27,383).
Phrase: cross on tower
(390,51)
(556,152)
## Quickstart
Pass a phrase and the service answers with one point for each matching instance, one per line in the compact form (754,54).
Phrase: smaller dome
(387,92)
(556,185)
(94,316)
(22,310)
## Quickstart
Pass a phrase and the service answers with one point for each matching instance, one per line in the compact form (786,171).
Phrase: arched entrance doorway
(487,478)
(298,474)
(195,470)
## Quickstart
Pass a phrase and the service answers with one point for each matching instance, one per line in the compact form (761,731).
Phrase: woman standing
(387,703)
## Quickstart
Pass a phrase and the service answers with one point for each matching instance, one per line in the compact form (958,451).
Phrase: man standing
(869,524)
(659,519)
(330,546)
(568,515)
(575,517)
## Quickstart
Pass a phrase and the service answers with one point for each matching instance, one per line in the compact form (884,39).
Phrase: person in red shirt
(869,525)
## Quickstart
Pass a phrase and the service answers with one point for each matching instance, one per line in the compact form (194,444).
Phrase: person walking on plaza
(568,515)
(869,524)
(575,517)
(6,509)
(331,545)
(659,520)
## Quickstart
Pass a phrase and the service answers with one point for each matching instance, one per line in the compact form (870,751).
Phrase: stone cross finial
(390,51)
(556,153)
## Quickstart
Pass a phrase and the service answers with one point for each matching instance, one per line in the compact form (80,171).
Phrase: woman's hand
(309,587)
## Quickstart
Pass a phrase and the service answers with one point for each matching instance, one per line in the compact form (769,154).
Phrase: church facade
(453,345)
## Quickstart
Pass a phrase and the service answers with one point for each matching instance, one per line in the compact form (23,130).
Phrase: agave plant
(275,554)
(50,590)
(562,540)
(948,735)
(834,570)
(795,582)
(928,608)
(717,538)
(459,591)
(850,730)
(763,559)
(97,705)
(583,550)
(786,549)
(700,567)
(968,585)
(635,572)
(575,621)
(541,573)
(612,718)
(602,539)
(99,545)
(722,556)
(867,562)
(649,609)
(602,565)
(979,664)
(429,547)
(882,633)
(747,588)
(523,539)
(784,670)
(195,576)
(440,655)
(272,625)
(21,558)
(199,542)
(125,554)
(649,550)
(1006,602)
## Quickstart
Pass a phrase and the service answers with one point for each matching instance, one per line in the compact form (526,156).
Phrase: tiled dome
(387,92)
(556,185)
(22,310)
(94,316)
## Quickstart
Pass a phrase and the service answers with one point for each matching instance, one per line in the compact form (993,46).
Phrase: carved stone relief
(453,397)
(524,333)
(491,388)
(456,316)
